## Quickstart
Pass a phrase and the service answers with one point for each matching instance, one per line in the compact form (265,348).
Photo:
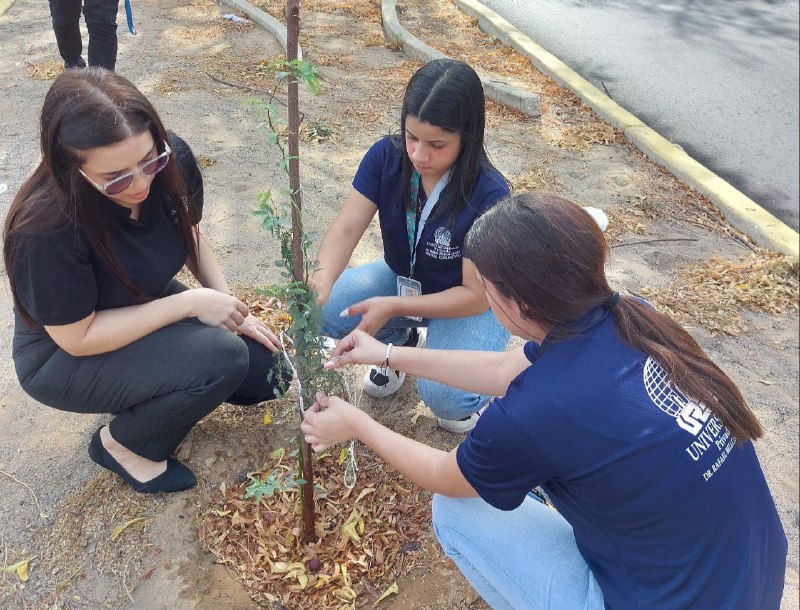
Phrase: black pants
(158,387)
(101,21)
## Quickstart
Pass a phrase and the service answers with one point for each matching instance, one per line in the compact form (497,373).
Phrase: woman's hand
(255,329)
(322,289)
(357,348)
(330,421)
(374,312)
(217,308)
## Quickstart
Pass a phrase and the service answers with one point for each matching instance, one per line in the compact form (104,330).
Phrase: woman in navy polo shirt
(641,442)
(93,241)
(428,185)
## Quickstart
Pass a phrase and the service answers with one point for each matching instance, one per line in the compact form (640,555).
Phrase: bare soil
(196,68)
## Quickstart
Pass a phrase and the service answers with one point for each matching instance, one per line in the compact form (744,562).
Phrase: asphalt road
(717,77)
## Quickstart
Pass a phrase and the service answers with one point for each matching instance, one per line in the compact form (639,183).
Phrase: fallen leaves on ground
(368,536)
(20,568)
(713,292)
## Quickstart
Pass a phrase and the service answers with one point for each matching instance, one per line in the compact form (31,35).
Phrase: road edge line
(742,212)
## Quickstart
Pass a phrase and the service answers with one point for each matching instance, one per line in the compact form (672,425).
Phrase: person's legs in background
(66,16)
(524,558)
(457,410)
(101,21)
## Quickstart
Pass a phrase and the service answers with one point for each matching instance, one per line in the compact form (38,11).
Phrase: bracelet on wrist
(386,359)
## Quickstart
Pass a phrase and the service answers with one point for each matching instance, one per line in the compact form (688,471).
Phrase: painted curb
(742,212)
(265,20)
(524,101)
(5,5)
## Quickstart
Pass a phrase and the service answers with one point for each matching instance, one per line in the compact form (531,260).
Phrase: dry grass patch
(712,293)
(537,178)
(44,70)
(176,79)
(102,528)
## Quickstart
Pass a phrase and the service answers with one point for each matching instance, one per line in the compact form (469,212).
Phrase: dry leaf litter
(368,535)
(711,293)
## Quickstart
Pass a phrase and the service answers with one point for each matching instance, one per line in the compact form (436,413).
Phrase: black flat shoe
(176,477)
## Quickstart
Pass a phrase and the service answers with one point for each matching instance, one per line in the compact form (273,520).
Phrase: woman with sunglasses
(93,241)
(643,444)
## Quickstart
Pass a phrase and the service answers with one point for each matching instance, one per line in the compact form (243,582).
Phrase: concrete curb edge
(524,101)
(741,211)
(265,20)
(5,5)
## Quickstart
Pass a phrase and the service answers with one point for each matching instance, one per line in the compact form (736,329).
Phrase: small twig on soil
(13,478)
(242,86)
(709,215)
(125,584)
(651,241)
(256,89)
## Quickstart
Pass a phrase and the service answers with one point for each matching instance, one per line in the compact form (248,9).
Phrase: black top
(60,281)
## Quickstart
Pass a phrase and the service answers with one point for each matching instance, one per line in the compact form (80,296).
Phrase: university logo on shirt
(442,236)
(708,431)
(440,247)
(689,415)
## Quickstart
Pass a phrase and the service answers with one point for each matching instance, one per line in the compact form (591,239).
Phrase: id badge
(406,287)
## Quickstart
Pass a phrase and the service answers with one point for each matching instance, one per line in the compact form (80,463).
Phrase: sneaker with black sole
(380,382)
(460,426)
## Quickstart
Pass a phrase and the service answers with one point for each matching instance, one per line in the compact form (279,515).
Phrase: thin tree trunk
(298,265)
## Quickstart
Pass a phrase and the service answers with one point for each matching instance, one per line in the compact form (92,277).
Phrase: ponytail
(548,255)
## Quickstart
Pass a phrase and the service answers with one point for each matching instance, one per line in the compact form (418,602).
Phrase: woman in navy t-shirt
(427,185)
(643,445)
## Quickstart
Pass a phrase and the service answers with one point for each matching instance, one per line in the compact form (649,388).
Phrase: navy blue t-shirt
(440,248)
(667,510)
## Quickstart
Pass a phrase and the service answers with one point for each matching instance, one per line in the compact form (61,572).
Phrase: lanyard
(413,227)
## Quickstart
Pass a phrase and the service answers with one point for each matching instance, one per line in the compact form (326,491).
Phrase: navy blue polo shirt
(441,245)
(667,510)
(60,280)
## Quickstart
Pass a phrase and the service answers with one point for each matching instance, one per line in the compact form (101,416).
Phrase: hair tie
(611,300)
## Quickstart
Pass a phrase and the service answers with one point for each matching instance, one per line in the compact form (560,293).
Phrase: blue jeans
(520,559)
(481,332)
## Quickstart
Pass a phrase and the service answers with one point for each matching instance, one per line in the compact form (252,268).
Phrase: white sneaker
(380,382)
(458,426)
(599,216)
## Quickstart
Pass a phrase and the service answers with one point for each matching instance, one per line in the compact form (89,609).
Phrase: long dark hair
(448,94)
(548,255)
(85,109)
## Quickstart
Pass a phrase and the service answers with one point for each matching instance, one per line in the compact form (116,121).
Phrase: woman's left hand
(257,330)
(374,312)
(329,421)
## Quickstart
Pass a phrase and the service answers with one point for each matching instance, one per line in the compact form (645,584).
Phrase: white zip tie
(294,371)
(351,468)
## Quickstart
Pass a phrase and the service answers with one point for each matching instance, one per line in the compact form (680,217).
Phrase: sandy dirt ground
(57,507)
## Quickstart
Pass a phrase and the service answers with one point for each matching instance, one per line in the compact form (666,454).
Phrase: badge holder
(407,287)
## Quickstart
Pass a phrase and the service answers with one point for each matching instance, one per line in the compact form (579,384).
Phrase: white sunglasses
(123,182)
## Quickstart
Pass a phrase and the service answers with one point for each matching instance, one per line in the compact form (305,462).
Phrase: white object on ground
(236,18)
(3,188)
(599,217)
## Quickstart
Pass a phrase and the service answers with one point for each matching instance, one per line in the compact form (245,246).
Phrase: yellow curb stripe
(742,212)
(4,6)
